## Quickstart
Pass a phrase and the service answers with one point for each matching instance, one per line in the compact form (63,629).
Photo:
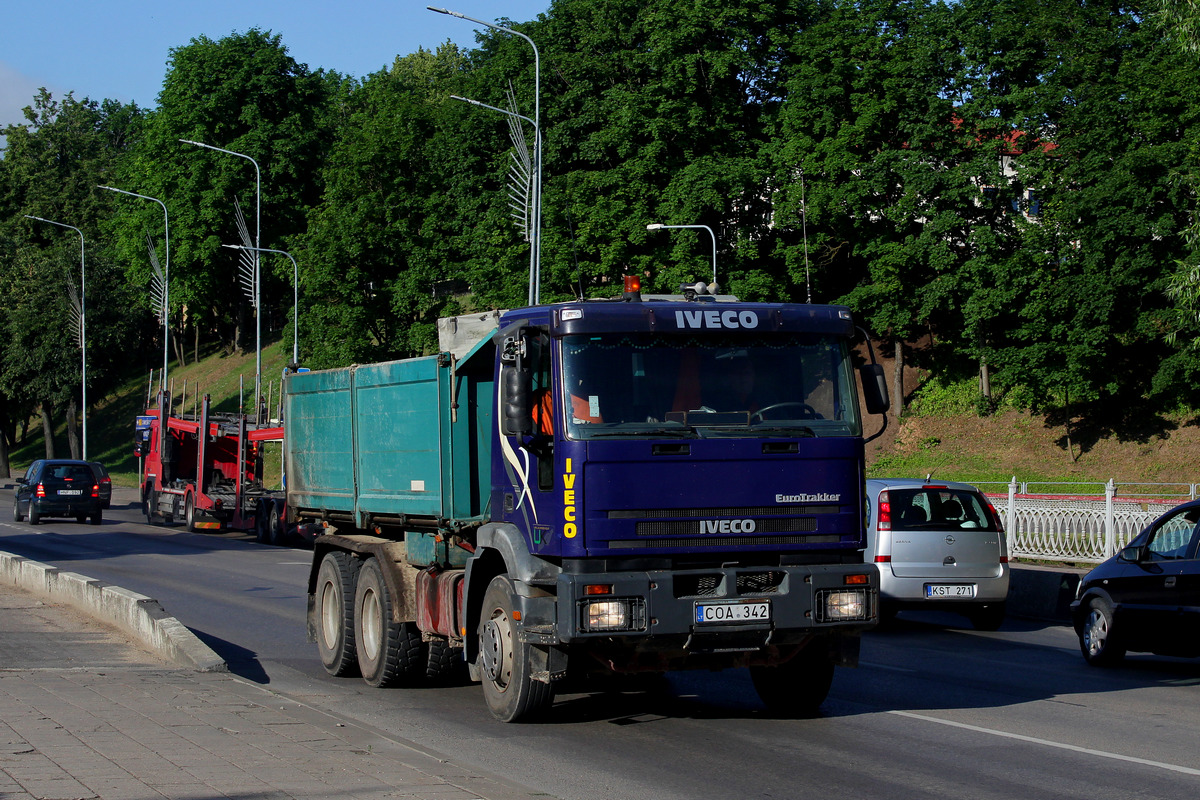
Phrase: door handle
(1169,582)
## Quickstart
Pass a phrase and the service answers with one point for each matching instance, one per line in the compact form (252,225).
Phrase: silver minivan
(938,545)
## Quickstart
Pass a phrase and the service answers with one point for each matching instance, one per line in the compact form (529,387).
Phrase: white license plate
(70,491)
(949,591)
(716,613)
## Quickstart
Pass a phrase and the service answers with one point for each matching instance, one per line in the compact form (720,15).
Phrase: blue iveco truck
(592,487)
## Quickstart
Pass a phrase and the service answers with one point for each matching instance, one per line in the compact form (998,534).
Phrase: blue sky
(119,48)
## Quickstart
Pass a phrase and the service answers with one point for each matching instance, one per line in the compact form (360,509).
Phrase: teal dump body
(399,444)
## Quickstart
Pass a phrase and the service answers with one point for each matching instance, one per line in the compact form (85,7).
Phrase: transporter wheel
(275,532)
(388,652)
(796,688)
(189,514)
(334,611)
(1100,645)
(511,694)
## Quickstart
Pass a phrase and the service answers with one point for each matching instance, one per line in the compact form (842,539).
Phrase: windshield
(708,384)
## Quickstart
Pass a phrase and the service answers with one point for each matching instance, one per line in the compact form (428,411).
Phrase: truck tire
(796,688)
(148,507)
(445,663)
(504,661)
(189,514)
(388,652)
(334,612)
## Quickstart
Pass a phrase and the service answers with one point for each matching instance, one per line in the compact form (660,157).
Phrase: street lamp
(535,271)
(658,226)
(166,304)
(257,273)
(295,294)
(82,318)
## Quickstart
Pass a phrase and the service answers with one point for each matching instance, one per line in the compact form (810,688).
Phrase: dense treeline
(1009,184)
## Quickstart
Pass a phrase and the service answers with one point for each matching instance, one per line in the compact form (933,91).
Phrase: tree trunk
(196,344)
(73,431)
(1067,425)
(898,381)
(4,465)
(177,344)
(47,429)
(985,381)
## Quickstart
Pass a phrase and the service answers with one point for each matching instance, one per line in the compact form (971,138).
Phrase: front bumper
(663,610)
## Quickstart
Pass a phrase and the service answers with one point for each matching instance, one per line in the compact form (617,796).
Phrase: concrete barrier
(139,616)
(1043,593)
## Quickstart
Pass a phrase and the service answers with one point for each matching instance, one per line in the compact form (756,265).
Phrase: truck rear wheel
(796,688)
(511,694)
(275,532)
(189,513)
(445,662)
(388,652)
(336,578)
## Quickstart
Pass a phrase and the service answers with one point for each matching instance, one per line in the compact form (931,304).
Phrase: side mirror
(22,481)
(518,417)
(875,391)
(1131,554)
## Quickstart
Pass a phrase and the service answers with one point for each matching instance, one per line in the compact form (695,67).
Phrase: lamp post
(295,294)
(256,249)
(82,320)
(535,272)
(166,277)
(658,226)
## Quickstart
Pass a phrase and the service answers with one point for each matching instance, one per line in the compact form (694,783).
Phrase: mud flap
(547,663)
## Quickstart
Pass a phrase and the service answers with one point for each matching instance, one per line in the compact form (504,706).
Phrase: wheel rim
(371,634)
(496,649)
(1095,632)
(331,617)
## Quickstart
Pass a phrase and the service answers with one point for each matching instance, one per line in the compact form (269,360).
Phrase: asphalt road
(935,709)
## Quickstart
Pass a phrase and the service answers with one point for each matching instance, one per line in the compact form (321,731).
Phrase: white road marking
(1047,743)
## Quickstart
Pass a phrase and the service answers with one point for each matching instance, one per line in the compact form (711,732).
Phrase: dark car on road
(1146,598)
(105,483)
(58,488)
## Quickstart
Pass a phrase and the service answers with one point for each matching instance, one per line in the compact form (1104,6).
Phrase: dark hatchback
(1147,597)
(58,488)
(105,483)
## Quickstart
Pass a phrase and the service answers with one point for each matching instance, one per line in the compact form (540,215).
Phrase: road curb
(136,614)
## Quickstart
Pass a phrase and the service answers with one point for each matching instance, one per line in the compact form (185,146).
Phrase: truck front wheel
(189,514)
(388,652)
(796,688)
(335,612)
(511,694)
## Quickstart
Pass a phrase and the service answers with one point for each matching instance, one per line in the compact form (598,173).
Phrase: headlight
(613,614)
(842,605)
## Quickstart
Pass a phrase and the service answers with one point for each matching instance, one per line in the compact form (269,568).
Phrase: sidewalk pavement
(87,712)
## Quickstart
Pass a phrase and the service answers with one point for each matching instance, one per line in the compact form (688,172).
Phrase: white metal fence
(1080,522)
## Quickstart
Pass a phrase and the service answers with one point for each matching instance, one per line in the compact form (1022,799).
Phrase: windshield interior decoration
(707,385)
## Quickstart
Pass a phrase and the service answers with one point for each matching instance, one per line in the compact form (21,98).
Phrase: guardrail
(1080,522)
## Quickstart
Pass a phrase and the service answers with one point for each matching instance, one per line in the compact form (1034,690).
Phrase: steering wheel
(806,411)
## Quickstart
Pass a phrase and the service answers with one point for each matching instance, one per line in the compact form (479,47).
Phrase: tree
(242,93)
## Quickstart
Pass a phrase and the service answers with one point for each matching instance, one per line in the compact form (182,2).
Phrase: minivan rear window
(939,509)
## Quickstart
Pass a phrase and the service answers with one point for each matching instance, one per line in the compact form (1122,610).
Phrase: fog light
(623,614)
(842,605)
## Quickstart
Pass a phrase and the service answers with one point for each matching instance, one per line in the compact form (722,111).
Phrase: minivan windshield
(708,384)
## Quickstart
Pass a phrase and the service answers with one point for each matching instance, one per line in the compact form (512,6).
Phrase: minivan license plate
(715,613)
(70,491)
(949,591)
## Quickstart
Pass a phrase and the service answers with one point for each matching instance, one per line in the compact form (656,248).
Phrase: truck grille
(720,541)
(711,584)
(685,527)
(743,511)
